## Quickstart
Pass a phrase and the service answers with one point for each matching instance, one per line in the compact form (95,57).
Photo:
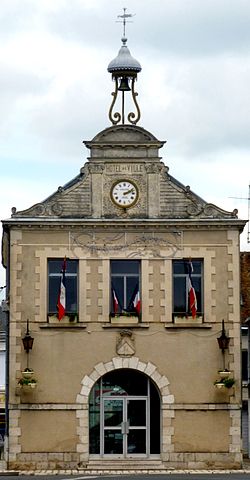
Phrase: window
(181,304)
(71,287)
(125,286)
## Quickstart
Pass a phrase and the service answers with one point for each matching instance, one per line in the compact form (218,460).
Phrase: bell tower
(124,69)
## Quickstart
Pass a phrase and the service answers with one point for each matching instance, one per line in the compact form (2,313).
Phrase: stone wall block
(168,399)
(234,448)
(85,391)
(87,381)
(133,362)
(14,449)
(117,362)
(14,431)
(150,368)
(109,366)
(125,363)
(141,366)
(100,368)
(79,398)
(165,391)
(82,448)
(156,377)
(94,376)
(163,382)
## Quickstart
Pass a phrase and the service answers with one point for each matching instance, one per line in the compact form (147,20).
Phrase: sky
(193,92)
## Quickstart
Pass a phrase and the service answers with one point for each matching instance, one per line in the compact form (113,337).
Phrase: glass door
(137,426)
(113,437)
(125,426)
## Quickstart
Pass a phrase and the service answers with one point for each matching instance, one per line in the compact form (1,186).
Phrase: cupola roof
(124,60)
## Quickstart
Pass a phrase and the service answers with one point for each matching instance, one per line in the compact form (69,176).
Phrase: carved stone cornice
(154,168)
(96,168)
(196,209)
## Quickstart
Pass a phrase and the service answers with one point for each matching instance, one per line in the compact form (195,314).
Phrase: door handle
(125,427)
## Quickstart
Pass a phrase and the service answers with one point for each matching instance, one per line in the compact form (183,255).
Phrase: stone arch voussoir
(134,363)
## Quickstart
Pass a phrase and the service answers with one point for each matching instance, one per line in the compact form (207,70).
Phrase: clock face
(124,193)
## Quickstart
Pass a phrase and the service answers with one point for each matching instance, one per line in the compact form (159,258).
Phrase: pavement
(96,473)
(90,473)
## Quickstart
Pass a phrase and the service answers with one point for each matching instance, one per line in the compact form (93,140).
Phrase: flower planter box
(67,319)
(124,319)
(187,319)
(27,373)
(30,387)
(219,385)
(224,373)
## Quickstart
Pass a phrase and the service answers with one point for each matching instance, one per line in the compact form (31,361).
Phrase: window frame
(125,276)
(57,274)
(200,298)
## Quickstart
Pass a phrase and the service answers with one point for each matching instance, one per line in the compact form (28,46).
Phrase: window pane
(196,266)
(181,266)
(180,295)
(117,284)
(197,286)
(125,266)
(55,266)
(71,294)
(54,285)
(124,382)
(132,286)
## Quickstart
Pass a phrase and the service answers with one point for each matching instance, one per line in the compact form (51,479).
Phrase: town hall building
(124,313)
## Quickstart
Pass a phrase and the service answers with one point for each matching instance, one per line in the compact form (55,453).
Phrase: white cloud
(193,90)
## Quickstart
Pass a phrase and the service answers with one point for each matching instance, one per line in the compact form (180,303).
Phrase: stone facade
(49,426)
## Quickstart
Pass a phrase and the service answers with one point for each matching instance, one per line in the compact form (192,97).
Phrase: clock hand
(129,191)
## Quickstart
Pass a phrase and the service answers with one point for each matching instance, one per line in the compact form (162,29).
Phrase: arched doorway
(124,415)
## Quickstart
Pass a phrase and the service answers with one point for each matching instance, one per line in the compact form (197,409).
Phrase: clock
(124,193)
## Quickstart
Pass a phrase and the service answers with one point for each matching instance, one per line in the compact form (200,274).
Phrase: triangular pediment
(117,153)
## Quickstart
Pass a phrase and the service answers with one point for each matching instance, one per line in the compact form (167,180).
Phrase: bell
(124,86)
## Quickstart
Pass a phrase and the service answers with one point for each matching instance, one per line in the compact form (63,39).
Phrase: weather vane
(124,20)
(124,69)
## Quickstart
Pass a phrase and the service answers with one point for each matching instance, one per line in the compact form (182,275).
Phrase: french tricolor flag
(137,302)
(61,301)
(191,291)
(115,301)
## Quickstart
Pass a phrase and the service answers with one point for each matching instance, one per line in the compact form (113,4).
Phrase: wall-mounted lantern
(223,340)
(27,340)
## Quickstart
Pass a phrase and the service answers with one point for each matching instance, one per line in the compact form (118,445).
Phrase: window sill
(63,325)
(125,325)
(187,325)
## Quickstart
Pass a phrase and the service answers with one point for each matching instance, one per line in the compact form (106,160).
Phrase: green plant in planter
(228,382)
(27,381)
(224,382)
(123,313)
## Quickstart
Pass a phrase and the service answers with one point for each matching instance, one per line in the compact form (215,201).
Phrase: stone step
(125,464)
